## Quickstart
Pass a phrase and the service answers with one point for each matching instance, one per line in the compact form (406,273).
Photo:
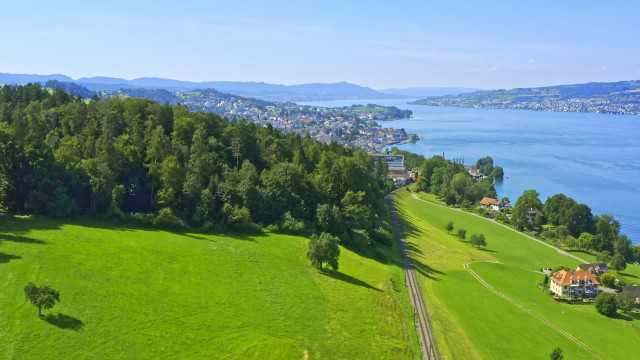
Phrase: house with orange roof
(573,284)
(491,203)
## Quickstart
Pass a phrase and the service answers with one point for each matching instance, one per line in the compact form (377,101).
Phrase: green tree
(606,303)
(608,280)
(556,354)
(478,240)
(624,247)
(497,173)
(42,297)
(604,256)
(520,214)
(607,232)
(626,301)
(586,241)
(462,234)
(157,151)
(323,249)
(618,262)
(449,226)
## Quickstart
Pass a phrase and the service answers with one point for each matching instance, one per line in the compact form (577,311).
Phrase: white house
(572,284)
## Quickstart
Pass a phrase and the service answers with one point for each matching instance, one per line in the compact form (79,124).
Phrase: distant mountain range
(423,92)
(259,90)
(622,97)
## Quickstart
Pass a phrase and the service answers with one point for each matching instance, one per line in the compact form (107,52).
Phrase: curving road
(527,310)
(421,317)
(506,227)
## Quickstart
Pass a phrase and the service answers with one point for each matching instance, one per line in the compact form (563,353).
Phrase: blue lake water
(593,158)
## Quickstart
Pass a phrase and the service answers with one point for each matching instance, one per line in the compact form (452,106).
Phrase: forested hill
(136,160)
(261,90)
(610,98)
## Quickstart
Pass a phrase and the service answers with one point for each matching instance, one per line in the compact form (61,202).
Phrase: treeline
(131,158)
(486,168)
(452,182)
(573,225)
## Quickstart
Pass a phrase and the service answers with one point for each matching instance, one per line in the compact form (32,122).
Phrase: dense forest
(135,159)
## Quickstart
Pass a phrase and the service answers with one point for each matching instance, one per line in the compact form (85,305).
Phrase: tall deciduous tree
(324,249)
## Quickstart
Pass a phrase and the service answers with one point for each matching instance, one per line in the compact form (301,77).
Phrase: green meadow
(140,293)
(471,322)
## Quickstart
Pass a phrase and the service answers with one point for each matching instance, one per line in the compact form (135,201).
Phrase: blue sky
(485,44)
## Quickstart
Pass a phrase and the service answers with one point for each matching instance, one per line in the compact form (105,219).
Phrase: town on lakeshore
(415,180)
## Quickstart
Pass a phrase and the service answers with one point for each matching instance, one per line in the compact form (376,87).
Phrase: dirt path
(421,317)
(507,227)
(523,308)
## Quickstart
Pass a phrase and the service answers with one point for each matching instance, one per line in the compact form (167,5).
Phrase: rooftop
(564,277)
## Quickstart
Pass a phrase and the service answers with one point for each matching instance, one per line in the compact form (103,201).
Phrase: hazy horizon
(492,45)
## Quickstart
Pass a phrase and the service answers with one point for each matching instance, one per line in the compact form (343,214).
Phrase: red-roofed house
(491,204)
(572,284)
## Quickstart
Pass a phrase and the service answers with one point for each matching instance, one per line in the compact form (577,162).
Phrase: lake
(593,158)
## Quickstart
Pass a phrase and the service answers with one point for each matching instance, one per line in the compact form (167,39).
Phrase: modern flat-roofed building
(395,163)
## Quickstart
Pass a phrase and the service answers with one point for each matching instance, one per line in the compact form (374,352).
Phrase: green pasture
(470,321)
(138,293)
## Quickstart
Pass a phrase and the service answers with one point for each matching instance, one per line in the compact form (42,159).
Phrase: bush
(382,236)
(236,217)
(290,225)
(142,218)
(502,217)
(606,304)
(167,218)
(608,280)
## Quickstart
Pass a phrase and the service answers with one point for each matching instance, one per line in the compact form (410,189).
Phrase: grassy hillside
(145,294)
(471,321)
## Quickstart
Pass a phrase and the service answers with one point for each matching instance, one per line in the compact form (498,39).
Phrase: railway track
(421,317)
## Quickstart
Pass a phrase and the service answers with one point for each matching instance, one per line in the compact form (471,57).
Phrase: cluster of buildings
(396,169)
(583,282)
(354,126)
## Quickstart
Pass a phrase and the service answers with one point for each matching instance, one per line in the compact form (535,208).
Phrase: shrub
(606,303)
(382,236)
(502,217)
(142,218)
(608,280)
(236,217)
(290,225)
(167,218)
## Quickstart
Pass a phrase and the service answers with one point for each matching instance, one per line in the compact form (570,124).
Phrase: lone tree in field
(478,240)
(618,263)
(556,354)
(323,249)
(449,226)
(42,297)
(606,304)
(462,234)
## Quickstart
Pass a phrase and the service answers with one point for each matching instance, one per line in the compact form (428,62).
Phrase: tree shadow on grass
(627,275)
(346,278)
(64,321)
(487,250)
(5,258)
(20,239)
(620,316)
(426,270)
